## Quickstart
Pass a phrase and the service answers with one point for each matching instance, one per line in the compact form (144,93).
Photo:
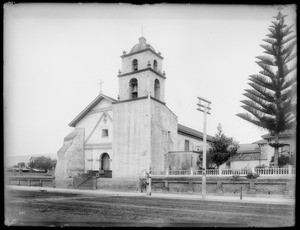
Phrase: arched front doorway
(104,162)
(104,166)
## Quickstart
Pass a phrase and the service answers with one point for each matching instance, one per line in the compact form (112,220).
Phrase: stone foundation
(118,184)
(64,183)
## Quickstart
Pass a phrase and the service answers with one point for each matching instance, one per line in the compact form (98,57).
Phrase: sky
(56,54)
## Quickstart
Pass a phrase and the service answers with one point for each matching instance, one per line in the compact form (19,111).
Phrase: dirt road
(44,208)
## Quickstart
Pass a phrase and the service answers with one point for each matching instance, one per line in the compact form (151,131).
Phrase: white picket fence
(228,172)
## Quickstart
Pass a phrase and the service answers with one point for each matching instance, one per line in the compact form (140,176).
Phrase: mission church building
(125,137)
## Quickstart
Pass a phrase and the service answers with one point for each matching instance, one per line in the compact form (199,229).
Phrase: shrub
(235,177)
(251,175)
(283,160)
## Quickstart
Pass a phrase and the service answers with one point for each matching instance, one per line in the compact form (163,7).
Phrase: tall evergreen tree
(269,102)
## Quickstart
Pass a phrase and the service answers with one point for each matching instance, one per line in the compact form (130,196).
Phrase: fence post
(220,171)
(241,195)
(290,170)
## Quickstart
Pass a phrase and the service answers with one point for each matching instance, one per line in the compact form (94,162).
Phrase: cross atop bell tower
(141,73)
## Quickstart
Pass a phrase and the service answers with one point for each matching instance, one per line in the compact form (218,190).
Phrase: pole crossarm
(202,99)
(203,111)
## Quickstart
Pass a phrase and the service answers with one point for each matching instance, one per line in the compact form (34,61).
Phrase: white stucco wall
(163,134)
(93,158)
(131,138)
(247,164)
(99,118)
(193,145)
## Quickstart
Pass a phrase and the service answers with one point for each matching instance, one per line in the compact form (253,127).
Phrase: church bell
(134,89)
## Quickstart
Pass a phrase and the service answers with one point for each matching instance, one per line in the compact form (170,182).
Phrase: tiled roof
(287,133)
(186,130)
(248,148)
(89,107)
(262,141)
(247,157)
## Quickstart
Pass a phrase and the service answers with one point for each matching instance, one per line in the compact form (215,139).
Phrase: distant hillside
(15,159)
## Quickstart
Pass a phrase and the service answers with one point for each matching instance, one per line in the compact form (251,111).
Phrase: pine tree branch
(289,48)
(248,118)
(260,80)
(266,106)
(255,106)
(288,39)
(287,31)
(288,71)
(268,49)
(269,97)
(289,57)
(269,40)
(261,92)
(267,68)
(289,82)
(267,60)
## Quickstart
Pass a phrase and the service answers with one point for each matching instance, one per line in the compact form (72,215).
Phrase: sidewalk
(224,198)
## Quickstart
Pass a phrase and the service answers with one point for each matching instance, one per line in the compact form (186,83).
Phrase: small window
(155,64)
(104,132)
(135,65)
(186,145)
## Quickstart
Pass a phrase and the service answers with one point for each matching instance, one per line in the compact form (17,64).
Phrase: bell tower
(141,72)
(144,127)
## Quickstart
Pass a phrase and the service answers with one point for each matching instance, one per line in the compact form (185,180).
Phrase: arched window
(133,88)
(104,162)
(135,65)
(155,65)
(156,89)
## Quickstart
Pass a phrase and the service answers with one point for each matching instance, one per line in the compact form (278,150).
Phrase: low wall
(31,181)
(225,186)
(118,184)
(214,185)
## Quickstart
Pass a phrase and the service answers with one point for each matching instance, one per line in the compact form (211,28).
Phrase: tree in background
(222,147)
(42,163)
(283,159)
(270,100)
(20,165)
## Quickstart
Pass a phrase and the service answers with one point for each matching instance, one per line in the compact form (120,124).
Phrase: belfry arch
(133,88)
(155,65)
(157,89)
(135,65)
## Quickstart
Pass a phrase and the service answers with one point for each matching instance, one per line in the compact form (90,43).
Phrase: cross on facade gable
(142,30)
(100,83)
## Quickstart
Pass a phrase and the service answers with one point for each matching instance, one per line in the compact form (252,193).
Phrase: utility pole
(205,108)
(149,144)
